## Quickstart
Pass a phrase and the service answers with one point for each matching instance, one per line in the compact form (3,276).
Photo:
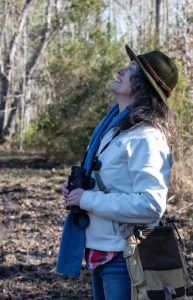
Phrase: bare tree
(7,61)
(29,67)
(167,19)
(3,94)
(157,20)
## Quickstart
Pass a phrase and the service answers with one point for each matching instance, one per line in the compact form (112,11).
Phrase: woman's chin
(114,87)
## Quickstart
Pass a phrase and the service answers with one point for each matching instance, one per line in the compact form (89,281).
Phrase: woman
(136,163)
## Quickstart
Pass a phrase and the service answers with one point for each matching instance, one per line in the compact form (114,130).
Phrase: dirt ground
(31,219)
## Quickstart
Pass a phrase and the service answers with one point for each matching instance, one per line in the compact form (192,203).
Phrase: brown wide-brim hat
(159,69)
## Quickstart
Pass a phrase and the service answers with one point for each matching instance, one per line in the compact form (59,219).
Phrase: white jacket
(136,169)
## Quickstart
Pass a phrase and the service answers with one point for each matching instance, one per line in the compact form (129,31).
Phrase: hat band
(166,89)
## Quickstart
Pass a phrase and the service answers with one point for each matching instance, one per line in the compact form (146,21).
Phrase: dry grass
(181,189)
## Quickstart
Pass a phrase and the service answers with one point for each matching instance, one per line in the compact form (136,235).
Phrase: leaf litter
(31,219)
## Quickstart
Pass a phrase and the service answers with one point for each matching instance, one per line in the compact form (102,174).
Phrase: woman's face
(121,85)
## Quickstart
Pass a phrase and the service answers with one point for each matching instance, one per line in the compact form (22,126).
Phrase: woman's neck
(123,102)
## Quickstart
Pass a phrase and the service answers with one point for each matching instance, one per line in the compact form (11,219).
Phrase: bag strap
(100,183)
(114,135)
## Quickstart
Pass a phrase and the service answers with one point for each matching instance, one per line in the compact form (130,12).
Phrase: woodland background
(57,58)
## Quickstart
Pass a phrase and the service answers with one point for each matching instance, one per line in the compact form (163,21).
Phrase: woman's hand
(73,198)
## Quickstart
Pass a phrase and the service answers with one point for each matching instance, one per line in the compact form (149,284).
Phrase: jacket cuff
(85,200)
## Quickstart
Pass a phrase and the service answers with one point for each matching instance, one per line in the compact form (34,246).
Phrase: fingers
(65,191)
(75,192)
(72,201)
(73,198)
(65,183)
(65,187)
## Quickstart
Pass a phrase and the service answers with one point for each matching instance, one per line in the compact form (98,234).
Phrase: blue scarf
(73,238)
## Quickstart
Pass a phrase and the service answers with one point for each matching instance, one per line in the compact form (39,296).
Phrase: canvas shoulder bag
(156,263)
(155,259)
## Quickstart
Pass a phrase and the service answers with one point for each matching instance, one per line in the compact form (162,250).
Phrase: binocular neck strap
(114,135)
(100,183)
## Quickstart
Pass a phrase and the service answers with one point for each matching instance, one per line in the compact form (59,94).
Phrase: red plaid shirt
(95,258)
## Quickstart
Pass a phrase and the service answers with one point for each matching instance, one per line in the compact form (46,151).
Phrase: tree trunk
(151,18)
(167,20)
(3,94)
(29,68)
(157,21)
(140,26)
(6,67)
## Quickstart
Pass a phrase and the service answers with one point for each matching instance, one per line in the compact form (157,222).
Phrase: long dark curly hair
(149,108)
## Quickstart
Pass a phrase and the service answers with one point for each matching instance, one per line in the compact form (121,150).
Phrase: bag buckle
(169,291)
